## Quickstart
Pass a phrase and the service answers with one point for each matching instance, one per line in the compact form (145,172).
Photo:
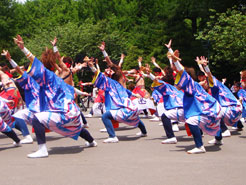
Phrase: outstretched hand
(102,46)
(169,44)
(198,60)
(6,54)
(153,59)
(175,56)
(53,42)
(19,41)
(204,61)
(140,59)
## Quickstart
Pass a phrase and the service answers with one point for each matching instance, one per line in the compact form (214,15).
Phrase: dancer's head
(49,59)
(201,76)
(68,61)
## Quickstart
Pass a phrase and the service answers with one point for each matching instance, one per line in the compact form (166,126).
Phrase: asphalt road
(132,161)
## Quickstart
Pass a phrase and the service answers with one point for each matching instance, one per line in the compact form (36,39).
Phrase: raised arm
(20,43)
(156,65)
(62,66)
(121,60)
(175,58)
(199,63)
(204,62)
(12,62)
(102,48)
(91,65)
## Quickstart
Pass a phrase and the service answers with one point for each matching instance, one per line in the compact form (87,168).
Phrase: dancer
(118,105)
(11,93)
(200,108)
(50,103)
(231,108)
(5,120)
(65,71)
(173,106)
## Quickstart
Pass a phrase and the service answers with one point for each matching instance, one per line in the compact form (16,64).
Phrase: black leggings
(86,135)
(12,135)
(39,130)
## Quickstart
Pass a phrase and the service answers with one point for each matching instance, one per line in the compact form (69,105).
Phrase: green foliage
(226,33)
(136,28)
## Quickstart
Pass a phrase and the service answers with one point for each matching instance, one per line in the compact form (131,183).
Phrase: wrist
(178,66)
(105,54)
(170,50)
(55,49)
(26,52)
(13,63)
(206,68)
(152,77)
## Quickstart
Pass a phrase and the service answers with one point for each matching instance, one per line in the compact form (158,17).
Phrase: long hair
(49,59)
(117,72)
(191,71)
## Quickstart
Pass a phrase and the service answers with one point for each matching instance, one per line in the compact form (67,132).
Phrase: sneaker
(140,134)
(42,152)
(86,125)
(16,144)
(38,154)
(103,130)
(160,124)
(236,128)
(155,119)
(197,150)
(226,133)
(27,140)
(92,144)
(88,116)
(216,142)
(175,127)
(111,140)
(172,140)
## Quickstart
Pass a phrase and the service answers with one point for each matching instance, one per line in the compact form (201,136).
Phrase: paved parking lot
(134,160)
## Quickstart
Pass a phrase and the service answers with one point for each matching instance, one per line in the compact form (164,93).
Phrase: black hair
(200,73)
(156,70)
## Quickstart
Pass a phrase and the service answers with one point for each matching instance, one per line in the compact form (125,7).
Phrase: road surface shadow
(65,150)
(212,148)
(7,148)
(236,133)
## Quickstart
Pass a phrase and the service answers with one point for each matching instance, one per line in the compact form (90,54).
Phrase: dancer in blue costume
(200,108)
(231,108)
(50,103)
(5,120)
(119,106)
(173,105)
(242,94)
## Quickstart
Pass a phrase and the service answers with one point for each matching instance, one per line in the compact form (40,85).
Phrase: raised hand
(153,59)
(122,56)
(53,42)
(102,46)
(175,56)
(140,59)
(169,44)
(6,54)
(204,61)
(19,41)
(198,60)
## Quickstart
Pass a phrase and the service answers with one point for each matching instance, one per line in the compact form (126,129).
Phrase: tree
(226,33)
